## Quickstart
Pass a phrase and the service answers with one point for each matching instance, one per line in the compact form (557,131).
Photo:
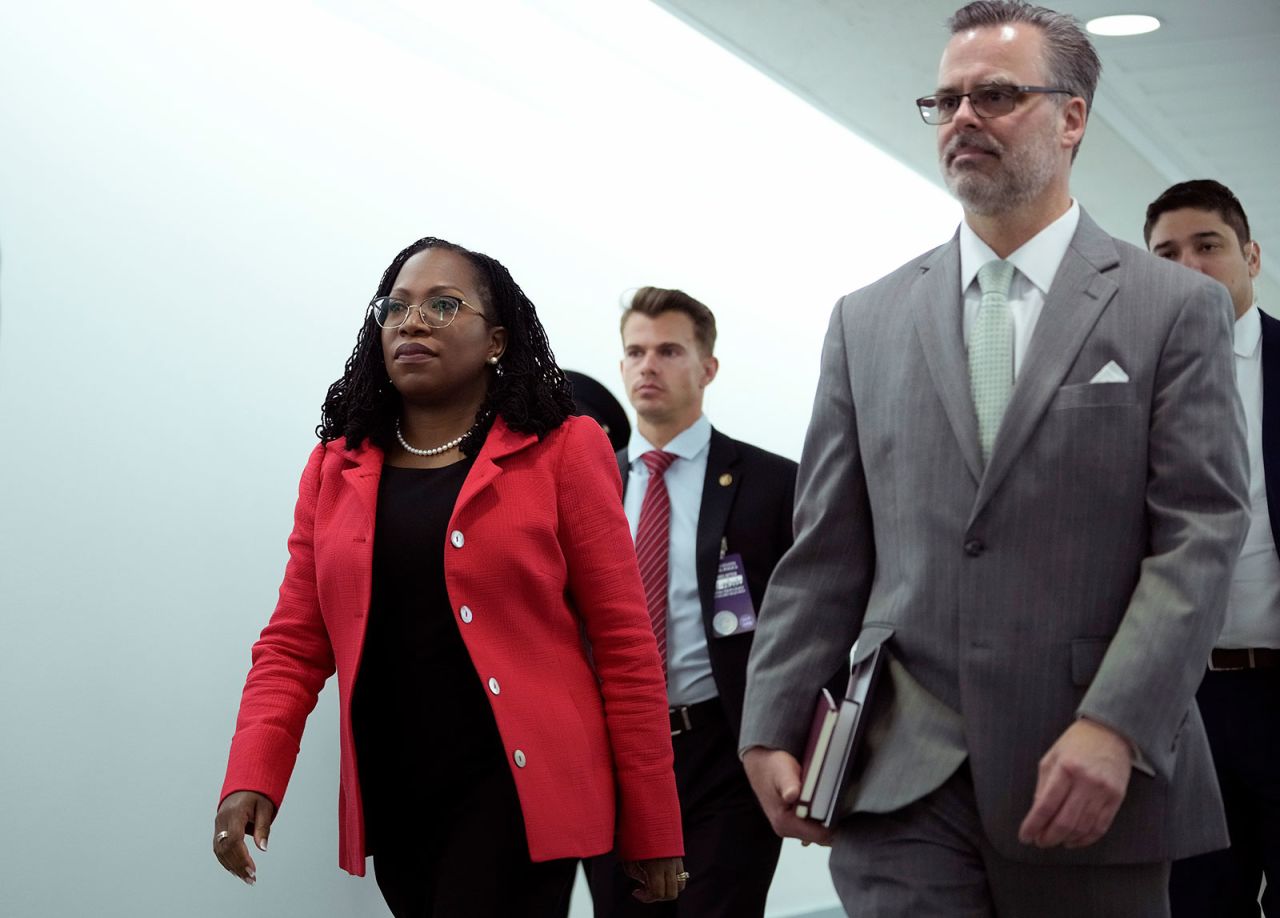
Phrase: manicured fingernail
(262,845)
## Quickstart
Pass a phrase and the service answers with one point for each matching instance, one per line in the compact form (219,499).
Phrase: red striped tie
(653,540)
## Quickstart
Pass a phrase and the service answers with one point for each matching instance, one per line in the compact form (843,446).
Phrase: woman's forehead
(437,267)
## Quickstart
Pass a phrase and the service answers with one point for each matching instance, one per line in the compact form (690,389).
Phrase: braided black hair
(528,390)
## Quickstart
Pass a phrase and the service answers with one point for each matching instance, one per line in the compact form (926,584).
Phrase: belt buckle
(683,711)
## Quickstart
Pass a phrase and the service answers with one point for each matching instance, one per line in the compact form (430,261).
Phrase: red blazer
(539,563)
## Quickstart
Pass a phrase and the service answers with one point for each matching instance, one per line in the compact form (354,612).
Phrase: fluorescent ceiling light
(1123,25)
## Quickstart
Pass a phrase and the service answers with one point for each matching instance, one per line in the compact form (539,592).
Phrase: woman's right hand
(241,813)
(661,879)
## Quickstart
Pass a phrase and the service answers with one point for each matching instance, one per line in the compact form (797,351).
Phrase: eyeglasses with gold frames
(436,311)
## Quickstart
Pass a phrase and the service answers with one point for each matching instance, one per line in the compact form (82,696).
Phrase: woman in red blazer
(461,559)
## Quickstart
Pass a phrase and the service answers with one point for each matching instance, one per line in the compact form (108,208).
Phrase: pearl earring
(493,361)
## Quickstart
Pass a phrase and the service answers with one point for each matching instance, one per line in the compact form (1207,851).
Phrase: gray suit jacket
(1083,572)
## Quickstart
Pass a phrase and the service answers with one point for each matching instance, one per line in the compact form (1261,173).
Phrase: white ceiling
(1199,98)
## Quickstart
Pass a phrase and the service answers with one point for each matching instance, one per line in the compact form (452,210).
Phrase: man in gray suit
(1025,476)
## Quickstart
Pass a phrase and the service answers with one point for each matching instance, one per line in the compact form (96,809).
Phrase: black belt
(1247,658)
(688,717)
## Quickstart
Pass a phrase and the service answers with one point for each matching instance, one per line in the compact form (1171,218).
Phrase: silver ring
(682,877)
(221,835)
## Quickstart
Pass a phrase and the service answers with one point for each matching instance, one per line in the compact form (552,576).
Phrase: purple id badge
(734,611)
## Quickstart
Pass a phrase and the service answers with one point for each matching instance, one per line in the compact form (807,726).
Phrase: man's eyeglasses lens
(987,101)
(437,312)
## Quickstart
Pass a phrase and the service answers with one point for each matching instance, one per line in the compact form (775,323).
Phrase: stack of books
(837,736)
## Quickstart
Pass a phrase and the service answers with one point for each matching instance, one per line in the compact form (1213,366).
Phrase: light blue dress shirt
(689,678)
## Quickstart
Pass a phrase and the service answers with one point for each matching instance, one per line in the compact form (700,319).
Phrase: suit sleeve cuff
(1136,758)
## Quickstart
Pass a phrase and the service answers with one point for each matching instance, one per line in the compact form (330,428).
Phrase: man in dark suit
(1202,225)
(705,559)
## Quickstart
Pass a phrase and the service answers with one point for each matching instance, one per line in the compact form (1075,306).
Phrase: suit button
(974,547)
(457,539)
(465,614)
(493,686)
(519,758)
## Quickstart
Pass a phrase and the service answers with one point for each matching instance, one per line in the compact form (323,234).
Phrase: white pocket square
(1110,373)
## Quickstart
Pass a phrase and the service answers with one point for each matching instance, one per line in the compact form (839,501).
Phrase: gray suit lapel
(939,324)
(1078,295)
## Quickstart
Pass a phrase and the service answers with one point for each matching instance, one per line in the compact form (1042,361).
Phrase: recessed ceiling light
(1122,25)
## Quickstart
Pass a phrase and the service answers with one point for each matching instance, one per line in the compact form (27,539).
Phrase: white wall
(196,201)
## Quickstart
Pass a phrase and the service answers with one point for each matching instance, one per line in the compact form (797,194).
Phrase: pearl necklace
(434,451)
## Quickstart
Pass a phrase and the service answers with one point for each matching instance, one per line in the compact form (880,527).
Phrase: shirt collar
(687,444)
(1037,259)
(1248,333)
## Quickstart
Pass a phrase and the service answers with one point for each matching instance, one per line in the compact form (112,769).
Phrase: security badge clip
(734,611)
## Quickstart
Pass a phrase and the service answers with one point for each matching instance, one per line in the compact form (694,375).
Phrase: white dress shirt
(689,678)
(1036,260)
(1253,605)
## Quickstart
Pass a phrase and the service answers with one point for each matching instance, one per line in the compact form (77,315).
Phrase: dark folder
(837,739)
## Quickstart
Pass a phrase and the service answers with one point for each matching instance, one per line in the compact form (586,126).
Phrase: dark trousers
(1241,711)
(730,849)
(472,861)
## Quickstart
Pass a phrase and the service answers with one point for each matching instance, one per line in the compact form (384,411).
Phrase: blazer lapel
(624,468)
(363,475)
(1079,293)
(939,325)
(502,441)
(1271,419)
(718,489)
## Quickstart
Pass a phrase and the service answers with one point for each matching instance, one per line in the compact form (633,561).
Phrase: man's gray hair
(1071,60)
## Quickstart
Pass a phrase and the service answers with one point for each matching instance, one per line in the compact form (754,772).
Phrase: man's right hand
(235,815)
(775,777)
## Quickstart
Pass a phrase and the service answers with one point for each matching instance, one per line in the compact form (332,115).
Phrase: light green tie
(991,352)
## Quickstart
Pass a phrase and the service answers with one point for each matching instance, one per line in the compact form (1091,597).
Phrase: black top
(419,712)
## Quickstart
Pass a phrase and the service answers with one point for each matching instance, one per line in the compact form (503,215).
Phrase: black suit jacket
(1271,418)
(747,498)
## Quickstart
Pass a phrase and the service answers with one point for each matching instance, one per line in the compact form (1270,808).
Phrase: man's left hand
(1082,782)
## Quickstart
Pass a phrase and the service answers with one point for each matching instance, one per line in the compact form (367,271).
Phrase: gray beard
(1021,177)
